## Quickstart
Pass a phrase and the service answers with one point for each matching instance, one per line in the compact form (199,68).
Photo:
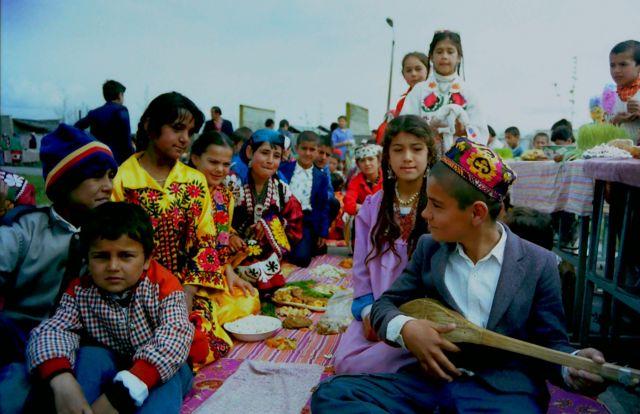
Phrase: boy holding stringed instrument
(475,265)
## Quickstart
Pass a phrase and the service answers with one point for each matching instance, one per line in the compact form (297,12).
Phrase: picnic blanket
(319,349)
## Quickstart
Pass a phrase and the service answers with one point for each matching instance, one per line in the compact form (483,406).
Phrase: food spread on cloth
(253,327)
(286,311)
(307,294)
(328,272)
(281,343)
(296,322)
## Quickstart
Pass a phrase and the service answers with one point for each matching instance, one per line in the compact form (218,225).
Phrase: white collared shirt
(472,287)
(300,185)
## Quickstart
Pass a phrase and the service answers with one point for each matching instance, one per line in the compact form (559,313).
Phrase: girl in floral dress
(211,154)
(267,215)
(177,199)
(445,86)
(388,227)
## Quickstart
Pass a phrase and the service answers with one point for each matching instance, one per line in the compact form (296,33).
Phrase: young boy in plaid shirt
(120,336)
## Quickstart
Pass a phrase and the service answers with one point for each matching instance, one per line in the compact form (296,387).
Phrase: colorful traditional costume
(184,236)
(429,96)
(390,116)
(281,217)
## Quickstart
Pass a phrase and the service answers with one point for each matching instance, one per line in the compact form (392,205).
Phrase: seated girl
(268,217)
(388,227)
(177,199)
(211,154)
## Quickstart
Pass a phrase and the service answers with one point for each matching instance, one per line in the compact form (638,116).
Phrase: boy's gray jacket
(33,258)
(527,305)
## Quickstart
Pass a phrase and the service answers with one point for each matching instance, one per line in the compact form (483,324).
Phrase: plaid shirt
(153,330)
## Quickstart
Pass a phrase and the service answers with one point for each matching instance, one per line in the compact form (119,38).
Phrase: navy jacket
(110,125)
(527,305)
(319,216)
(227,127)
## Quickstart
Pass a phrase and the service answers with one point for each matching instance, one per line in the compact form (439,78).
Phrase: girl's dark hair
(386,231)
(420,56)
(207,138)
(447,35)
(113,220)
(166,109)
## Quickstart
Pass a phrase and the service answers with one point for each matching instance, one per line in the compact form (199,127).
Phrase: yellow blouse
(182,218)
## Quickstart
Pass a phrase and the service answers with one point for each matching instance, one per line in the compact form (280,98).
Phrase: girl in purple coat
(388,226)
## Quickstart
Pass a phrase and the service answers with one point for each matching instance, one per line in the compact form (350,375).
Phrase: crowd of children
(116,294)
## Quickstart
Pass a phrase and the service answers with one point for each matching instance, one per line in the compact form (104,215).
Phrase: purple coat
(355,354)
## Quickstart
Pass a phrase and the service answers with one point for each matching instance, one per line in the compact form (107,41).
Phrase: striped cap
(69,153)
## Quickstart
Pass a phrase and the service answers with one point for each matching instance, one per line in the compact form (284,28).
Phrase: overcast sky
(305,59)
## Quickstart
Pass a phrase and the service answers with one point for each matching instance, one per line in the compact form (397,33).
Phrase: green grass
(38,183)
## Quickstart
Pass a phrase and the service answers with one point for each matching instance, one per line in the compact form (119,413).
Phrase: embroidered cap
(480,166)
(367,150)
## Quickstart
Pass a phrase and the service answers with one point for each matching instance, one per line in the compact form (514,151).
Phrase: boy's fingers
(588,376)
(435,368)
(449,346)
(444,362)
(444,328)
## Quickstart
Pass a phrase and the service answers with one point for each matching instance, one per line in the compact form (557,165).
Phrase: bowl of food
(253,328)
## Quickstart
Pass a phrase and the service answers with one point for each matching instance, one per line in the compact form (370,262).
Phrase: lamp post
(393,45)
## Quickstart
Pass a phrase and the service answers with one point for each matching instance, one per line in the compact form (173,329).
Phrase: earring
(390,174)
(250,163)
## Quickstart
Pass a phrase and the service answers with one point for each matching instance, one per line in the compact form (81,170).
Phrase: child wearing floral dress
(178,201)
(211,154)
(268,217)
(444,86)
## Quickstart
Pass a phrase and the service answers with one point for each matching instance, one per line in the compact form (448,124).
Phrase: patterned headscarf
(367,150)
(480,166)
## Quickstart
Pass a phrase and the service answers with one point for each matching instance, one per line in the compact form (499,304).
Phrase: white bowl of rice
(253,328)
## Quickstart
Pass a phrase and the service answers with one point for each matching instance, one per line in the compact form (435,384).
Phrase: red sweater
(358,190)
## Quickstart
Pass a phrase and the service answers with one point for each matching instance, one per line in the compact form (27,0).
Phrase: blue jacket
(319,216)
(527,305)
(110,125)
(226,127)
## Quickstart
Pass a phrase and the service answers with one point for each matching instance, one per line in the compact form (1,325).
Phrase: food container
(253,328)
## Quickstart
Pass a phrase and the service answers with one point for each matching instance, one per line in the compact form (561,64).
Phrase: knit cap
(70,156)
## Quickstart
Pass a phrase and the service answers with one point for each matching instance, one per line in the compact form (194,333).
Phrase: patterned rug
(319,349)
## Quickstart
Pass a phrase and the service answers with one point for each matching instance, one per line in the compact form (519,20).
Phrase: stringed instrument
(466,331)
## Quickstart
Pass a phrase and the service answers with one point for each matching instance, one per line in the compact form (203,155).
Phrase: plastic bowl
(253,328)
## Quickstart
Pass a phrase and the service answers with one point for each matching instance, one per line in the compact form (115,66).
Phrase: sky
(305,59)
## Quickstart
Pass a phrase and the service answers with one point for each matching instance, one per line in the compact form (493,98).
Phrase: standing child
(211,155)
(478,267)
(120,337)
(267,216)
(342,138)
(310,185)
(38,248)
(415,69)
(368,181)
(539,140)
(177,199)
(388,227)
(624,63)
(512,138)
(445,86)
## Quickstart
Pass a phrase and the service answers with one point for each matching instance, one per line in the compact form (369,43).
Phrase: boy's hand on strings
(321,242)
(103,406)
(584,381)
(423,339)
(236,244)
(68,395)
(234,281)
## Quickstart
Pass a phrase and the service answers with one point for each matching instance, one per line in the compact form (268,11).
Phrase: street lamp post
(393,45)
